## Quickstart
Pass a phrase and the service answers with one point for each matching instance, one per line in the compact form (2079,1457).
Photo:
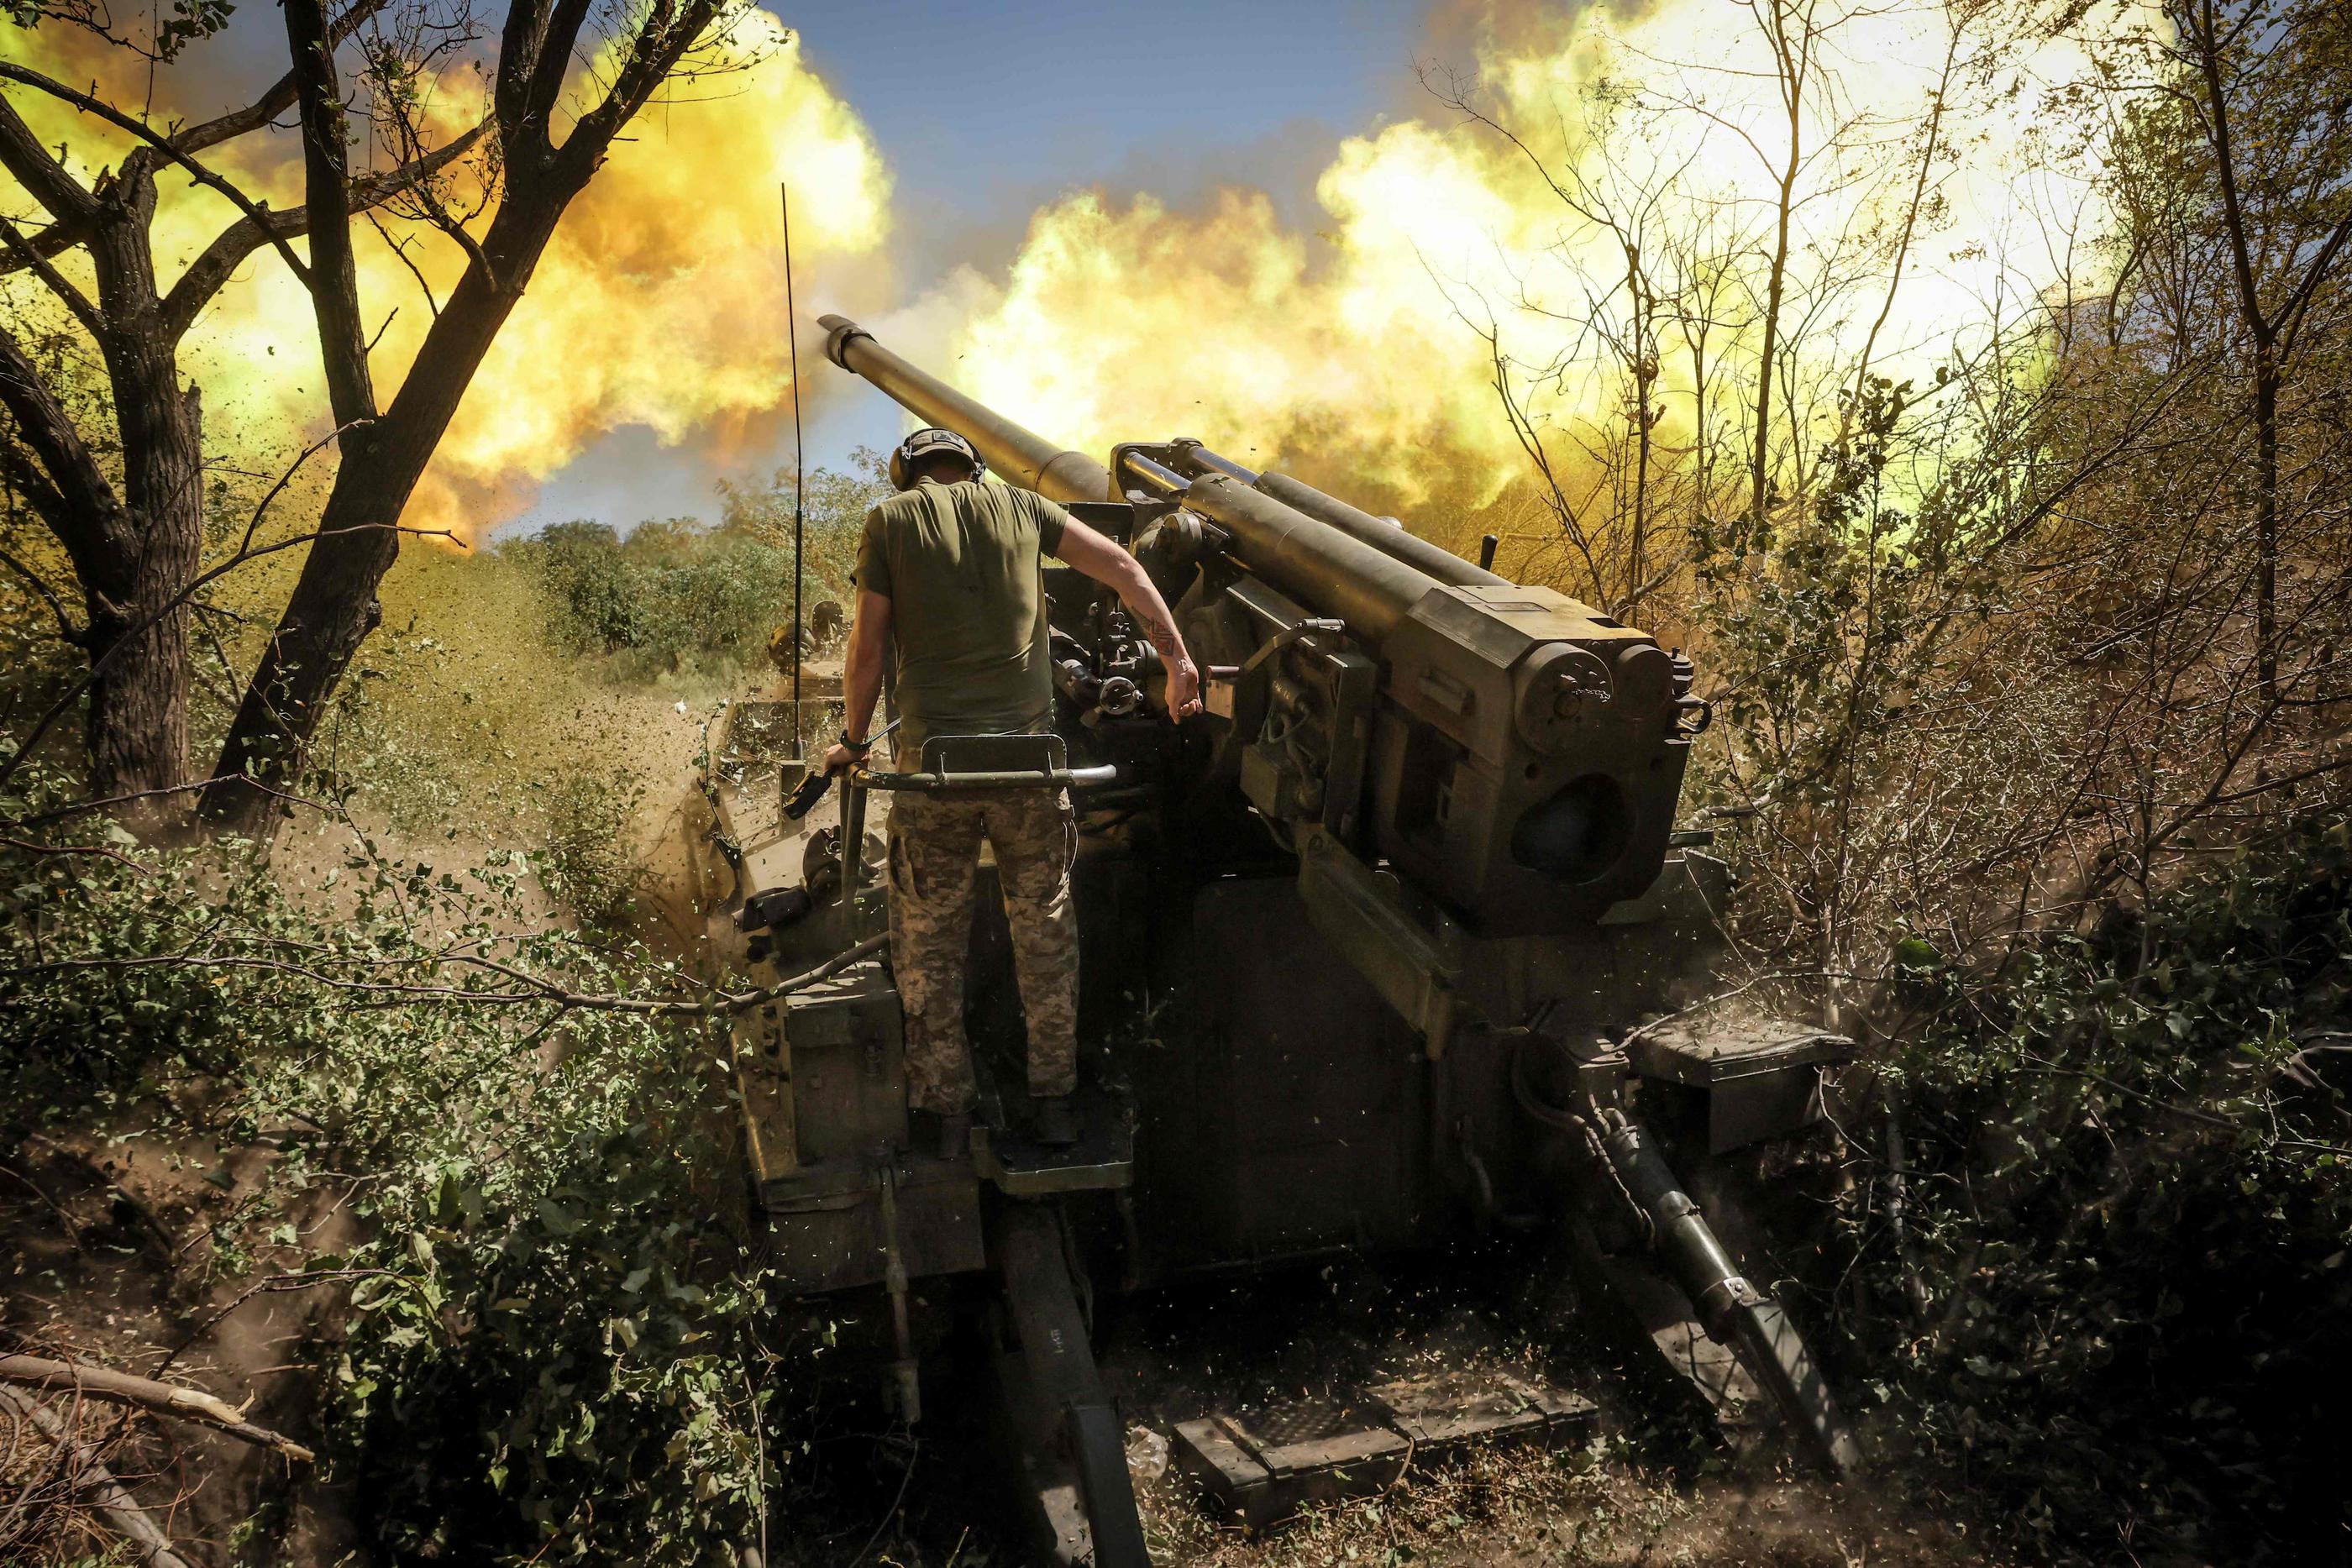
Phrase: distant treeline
(678,594)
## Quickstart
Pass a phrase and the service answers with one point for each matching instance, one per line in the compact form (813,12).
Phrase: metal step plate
(1264,1466)
(1104,1155)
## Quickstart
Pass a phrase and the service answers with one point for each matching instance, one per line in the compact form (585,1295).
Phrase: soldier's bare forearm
(861,676)
(1114,567)
(1151,613)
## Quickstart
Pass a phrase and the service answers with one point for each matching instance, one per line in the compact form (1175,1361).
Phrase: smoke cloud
(1441,253)
(1372,338)
(661,302)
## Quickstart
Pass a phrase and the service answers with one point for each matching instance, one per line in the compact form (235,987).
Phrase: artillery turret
(1411,920)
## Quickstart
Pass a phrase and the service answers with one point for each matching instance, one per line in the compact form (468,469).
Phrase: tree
(1674,278)
(2254,80)
(130,526)
(1605,336)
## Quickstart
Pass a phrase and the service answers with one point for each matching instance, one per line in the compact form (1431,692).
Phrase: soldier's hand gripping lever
(812,787)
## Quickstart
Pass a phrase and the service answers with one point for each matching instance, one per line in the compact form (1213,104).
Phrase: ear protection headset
(925,444)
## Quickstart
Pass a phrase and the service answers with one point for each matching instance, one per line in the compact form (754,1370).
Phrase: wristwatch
(859,746)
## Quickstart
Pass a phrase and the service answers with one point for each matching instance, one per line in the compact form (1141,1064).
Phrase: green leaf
(1912,953)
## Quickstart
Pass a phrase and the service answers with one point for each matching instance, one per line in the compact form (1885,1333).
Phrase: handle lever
(812,787)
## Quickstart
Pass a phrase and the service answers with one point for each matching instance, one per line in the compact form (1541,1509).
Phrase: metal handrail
(1007,779)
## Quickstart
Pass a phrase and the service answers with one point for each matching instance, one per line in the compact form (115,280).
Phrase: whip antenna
(792,347)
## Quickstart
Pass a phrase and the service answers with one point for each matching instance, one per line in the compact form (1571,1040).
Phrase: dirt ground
(1634,1491)
(1551,1510)
(1583,1506)
(116,1249)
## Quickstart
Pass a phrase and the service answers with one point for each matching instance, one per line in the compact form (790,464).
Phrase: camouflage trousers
(933,867)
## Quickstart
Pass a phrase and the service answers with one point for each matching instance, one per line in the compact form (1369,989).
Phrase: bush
(553,1353)
(594,595)
(2128,1198)
(669,596)
(676,594)
(590,862)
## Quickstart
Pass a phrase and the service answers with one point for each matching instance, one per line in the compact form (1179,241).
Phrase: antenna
(792,344)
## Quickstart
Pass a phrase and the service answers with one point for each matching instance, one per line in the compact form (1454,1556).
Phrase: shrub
(590,861)
(2129,1200)
(677,594)
(554,1353)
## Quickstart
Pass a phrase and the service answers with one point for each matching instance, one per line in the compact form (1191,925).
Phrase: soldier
(950,575)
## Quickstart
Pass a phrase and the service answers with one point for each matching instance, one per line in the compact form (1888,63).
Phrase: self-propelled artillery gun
(1383,950)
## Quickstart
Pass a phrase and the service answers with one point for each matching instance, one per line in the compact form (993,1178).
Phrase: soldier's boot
(945,1135)
(1052,1121)
(955,1134)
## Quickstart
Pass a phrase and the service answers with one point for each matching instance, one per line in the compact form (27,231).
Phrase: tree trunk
(1793,58)
(1758,469)
(137,556)
(2266,465)
(334,606)
(136,725)
(1646,374)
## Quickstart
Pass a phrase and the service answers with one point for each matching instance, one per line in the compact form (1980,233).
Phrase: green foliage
(1824,619)
(562,1349)
(670,595)
(1845,647)
(833,512)
(552,1352)
(2128,1198)
(591,592)
(186,22)
(591,861)
(676,594)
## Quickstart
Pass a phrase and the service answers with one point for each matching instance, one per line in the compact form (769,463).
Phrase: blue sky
(980,108)
(985,113)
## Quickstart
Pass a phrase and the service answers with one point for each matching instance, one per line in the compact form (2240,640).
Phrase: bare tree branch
(67,631)
(219,260)
(524,988)
(87,1476)
(280,97)
(80,507)
(146,1393)
(72,299)
(10,71)
(22,155)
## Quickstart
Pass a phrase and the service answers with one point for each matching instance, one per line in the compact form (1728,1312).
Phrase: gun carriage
(1367,951)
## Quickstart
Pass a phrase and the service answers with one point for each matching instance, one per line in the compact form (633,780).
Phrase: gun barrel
(1303,556)
(1434,561)
(1310,560)
(1382,535)
(1022,456)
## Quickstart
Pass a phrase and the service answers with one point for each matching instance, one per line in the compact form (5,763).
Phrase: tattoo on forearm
(1163,636)
(1144,605)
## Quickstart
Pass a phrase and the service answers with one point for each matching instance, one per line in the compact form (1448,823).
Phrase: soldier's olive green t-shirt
(962,567)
